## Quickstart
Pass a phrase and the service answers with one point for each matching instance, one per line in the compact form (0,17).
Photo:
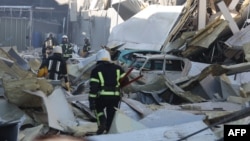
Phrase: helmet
(103,55)
(65,36)
(86,39)
(49,35)
(57,49)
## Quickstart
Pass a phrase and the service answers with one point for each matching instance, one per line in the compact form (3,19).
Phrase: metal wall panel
(96,28)
(15,32)
(43,28)
(73,10)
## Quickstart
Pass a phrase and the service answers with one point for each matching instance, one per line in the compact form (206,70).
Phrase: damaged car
(173,67)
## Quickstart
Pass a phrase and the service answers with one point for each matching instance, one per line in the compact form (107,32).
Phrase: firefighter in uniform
(104,91)
(67,48)
(87,45)
(48,45)
(86,48)
(56,66)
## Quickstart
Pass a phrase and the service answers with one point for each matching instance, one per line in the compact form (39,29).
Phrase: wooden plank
(202,12)
(232,24)
(233,4)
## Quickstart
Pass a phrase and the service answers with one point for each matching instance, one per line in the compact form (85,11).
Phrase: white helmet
(65,36)
(57,49)
(103,55)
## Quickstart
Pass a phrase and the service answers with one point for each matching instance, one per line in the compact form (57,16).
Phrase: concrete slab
(123,123)
(59,112)
(169,133)
(163,117)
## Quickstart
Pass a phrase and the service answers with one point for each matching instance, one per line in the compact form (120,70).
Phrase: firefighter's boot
(101,129)
(102,126)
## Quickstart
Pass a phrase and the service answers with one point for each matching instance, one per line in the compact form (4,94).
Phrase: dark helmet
(86,39)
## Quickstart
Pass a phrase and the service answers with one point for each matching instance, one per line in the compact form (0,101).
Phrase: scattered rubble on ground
(157,109)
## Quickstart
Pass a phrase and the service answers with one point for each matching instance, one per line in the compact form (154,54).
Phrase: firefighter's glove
(92,103)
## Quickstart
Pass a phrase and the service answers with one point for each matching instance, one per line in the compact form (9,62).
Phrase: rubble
(210,89)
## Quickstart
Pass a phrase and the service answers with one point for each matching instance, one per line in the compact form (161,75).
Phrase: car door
(151,70)
(173,69)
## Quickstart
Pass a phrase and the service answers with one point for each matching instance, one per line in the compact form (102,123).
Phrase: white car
(173,67)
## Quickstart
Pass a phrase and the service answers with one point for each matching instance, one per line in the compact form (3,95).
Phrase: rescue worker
(67,48)
(56,66)
(104,91)
(48,45)
(86,48)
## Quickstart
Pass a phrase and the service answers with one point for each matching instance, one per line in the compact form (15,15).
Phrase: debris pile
(197,83)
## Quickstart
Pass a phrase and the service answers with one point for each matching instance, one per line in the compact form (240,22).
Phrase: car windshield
(138,62)
(157,64)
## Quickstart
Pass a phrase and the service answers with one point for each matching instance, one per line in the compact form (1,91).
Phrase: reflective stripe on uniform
(98,116)
(58,64)
(92,95)
(50,64)
(116,93)
(67,55)
(94,80)
(101,78)
(117,78)
(56,76)
(122,75)
(67,51)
